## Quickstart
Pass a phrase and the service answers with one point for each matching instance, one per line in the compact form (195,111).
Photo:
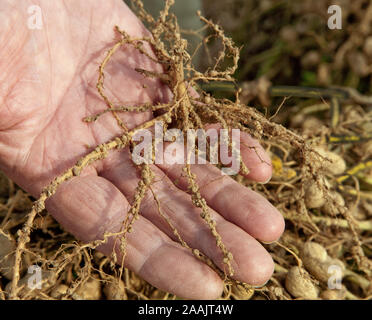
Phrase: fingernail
(266,181)
(270,242)
(262,285)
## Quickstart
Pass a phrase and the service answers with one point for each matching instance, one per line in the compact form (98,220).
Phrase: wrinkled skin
(48,80)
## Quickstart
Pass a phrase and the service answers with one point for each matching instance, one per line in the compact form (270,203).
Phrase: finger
(255,158)
(253,155)
(236,203)
(252,263)
(89,206)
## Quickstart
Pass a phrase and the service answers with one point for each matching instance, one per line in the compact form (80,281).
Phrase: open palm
(48,86)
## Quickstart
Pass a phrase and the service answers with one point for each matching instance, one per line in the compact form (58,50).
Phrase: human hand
(48,86)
